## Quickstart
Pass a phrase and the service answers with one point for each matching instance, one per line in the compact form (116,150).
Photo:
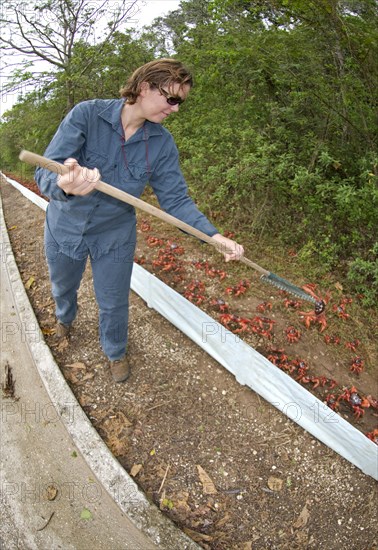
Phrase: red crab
(292,334)
(154,241)
(358,403)
(145,226)
(373,436)
(277,356)
(175,248)
(357,365)
(238,289)
(261,308)
(292,303)
(302,370)
(318,381)
(220,305)
(317,316)
(340,308)
(334,339)
(353,345)
(332,401)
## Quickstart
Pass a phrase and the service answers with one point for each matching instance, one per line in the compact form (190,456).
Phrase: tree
(48,31)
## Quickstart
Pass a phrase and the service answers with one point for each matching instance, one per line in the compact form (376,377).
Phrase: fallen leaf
(77,365)
(121,417)
(339,286)
(135,469)
(198,537)
(302,519)
(13,227)
(207,483)
(152,452)
(29,282)
(71,377)
(51,492)
(223,521)
(86,514)
(275,483)
(118,446)
(87,376)
(63,344)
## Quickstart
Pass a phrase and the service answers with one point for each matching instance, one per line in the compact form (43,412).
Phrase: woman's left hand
(230,249)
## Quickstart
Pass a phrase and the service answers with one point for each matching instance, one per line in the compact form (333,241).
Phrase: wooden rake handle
(58,168)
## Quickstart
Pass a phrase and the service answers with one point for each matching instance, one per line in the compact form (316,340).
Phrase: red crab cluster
(350,396)
(154,241)
(299,369)
(209,270)
(239,289)
(262,326)
(194,292)
(168,262)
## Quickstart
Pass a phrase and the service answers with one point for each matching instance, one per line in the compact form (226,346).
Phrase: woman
(123,141)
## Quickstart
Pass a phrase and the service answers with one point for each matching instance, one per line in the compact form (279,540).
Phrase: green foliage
(363,274)
(278,138)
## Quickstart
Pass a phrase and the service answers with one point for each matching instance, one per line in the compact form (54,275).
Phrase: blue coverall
(102,227)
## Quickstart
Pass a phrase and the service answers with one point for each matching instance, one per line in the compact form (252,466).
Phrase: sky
(148,11)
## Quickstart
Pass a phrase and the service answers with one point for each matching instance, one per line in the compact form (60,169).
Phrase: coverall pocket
(135,179)
(95,159)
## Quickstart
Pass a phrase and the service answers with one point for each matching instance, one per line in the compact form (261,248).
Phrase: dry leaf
(63,344)
(135,469)
(77,365)
(70,376)
(198,537)
(207,483)
(118,447)
(123,419)
(339,286)
(87,376)
(302,519)
(51,492)
(223,521)
(275,483)
(29,282)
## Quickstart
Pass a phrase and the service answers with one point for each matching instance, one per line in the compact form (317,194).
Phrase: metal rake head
(282,284)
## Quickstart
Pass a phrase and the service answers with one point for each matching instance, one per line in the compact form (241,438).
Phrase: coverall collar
(113,116)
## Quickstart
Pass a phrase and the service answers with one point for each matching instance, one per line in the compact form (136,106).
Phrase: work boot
(62,331)
(120,369)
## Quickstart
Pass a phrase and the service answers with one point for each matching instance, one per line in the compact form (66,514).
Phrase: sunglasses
(172,100)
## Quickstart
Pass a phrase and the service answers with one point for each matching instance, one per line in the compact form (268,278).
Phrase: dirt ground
(226,466)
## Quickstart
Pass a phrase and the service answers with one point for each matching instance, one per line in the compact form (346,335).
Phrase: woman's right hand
(79,180)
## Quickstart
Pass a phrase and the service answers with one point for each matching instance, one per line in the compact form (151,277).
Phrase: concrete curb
(146,517)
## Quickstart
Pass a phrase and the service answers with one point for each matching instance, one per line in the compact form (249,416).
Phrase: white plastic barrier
(251,368)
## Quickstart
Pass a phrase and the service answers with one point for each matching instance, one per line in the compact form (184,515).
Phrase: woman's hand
(79,180)
(230,249)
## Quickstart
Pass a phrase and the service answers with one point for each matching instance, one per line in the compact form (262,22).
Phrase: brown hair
(158,73)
